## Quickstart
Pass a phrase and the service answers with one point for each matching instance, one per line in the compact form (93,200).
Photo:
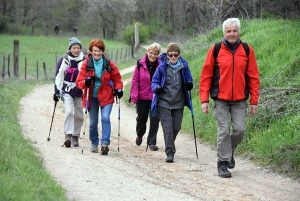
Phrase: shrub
(4,20)
(130,30)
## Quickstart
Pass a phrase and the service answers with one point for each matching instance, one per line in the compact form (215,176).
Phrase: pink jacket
(141,84)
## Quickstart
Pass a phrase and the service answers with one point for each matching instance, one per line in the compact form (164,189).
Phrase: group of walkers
(160,88)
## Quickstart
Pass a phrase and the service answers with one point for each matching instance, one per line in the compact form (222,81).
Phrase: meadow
(39,49)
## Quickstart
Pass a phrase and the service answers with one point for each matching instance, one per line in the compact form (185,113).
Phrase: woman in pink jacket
(141,95)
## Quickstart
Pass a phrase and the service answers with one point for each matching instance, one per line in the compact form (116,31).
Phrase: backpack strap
(107,64)
(138,64)
(67,61)
(246,48)
(217,50)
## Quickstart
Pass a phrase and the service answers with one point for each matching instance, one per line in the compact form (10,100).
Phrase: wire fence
(10,64)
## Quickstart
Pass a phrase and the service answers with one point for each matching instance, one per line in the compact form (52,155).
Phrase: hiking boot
(74,141)
(231,165)
(67,142)
(138,140)
(153,147)
(222,169)
(104,149)
(94,148)
(170,158)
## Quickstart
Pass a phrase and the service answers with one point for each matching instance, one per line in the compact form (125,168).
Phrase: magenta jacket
(141,84)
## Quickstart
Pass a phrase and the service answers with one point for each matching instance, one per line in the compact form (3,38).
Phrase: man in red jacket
(229,79)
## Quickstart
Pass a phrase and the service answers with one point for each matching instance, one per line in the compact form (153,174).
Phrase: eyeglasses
(152,53)
(173,55)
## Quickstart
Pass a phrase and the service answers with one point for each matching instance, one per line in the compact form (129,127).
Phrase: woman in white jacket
(66,73)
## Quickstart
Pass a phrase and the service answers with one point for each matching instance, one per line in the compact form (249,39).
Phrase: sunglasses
(173,55)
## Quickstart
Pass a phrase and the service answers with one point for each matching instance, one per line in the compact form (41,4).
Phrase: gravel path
(134,174)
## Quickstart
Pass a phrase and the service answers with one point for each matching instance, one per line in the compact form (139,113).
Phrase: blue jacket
(159,79)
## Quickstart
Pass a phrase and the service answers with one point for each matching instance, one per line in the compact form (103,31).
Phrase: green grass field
(22,175)
(49,50)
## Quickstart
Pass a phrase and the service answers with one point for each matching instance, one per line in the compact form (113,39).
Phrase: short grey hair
(154,47)
(231,21)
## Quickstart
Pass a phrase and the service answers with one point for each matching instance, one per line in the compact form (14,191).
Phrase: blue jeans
(105,121)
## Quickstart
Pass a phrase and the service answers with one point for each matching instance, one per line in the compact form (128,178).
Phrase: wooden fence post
(116,56)
(125,53)
(16,67)
(121,55)
(111,55)
(45,72)
(136,37)
(37,69)
(8,62)
(25,68)
(55,65)
(3,67)
(132,47)
(16,57)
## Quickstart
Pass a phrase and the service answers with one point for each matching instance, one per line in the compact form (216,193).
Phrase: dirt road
(134,174)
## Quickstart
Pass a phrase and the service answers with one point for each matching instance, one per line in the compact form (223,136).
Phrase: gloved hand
(189,85)
(159,91)
(119,93)
(129,100)
(56,96)
(88,82)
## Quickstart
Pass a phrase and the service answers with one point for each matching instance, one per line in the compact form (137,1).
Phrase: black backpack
(138,64)
(218,47)
(106,64)
(216,52)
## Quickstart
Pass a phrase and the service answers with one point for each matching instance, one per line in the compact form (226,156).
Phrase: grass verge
(22,175)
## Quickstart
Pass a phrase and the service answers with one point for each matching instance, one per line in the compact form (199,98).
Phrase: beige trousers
(73,115)
(229,116)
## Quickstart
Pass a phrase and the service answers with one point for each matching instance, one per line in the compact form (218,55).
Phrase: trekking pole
(152,114)
(118,121)
(86,111)
(48,139)
(192,112)
(151,125)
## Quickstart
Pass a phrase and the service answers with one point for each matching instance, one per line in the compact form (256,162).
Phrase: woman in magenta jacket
(141,95)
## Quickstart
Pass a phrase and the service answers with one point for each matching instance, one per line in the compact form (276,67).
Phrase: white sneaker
(94,149)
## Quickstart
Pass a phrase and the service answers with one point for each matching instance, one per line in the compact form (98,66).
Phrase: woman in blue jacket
(170,84)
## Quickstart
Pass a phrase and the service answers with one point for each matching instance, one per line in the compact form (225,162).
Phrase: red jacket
(231,79)
(105,92)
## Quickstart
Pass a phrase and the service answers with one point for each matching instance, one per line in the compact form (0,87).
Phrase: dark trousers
(143,110)
(171,120)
